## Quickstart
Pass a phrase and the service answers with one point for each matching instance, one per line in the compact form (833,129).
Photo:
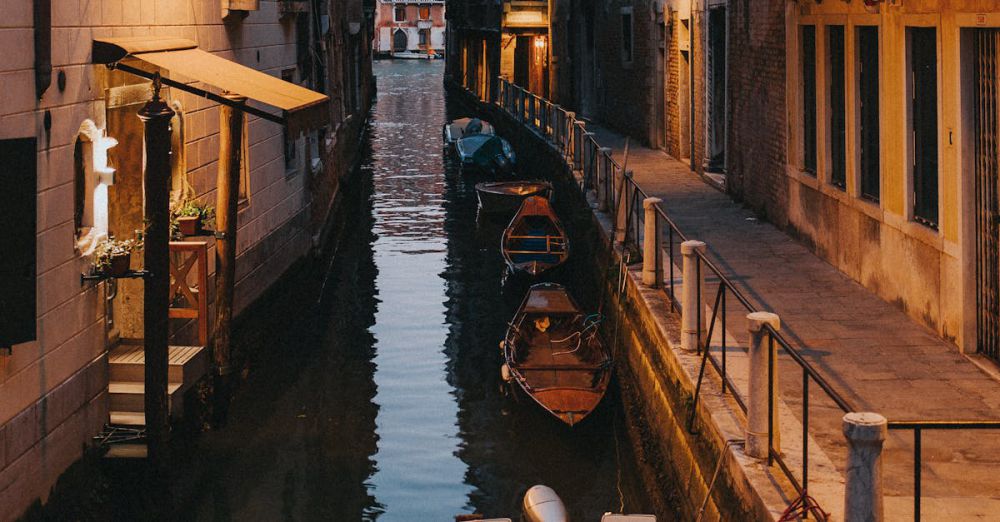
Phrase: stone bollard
(865,433)
(650,243)
(603,170)
(690,329)
(756,437)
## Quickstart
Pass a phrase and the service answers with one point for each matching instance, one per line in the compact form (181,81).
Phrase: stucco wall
(54,389)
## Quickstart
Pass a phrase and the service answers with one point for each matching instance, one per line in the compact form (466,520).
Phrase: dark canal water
(373,389)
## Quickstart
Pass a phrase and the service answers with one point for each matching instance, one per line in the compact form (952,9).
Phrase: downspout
(43,46)
(691,82)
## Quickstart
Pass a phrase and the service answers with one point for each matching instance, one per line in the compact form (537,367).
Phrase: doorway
(986,89)
(715,157)
(399,41)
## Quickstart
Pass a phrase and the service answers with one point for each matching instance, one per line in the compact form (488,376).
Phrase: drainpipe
(691,82)
(43,46)
(230,157)
(155,116)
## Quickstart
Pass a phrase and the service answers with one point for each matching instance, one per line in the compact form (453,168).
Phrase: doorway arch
(399,41)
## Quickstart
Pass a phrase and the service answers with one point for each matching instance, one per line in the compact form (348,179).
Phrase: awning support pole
(221,99)
(155,116)
(230,158)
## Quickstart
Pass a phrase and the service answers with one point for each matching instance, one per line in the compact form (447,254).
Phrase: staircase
(126,388)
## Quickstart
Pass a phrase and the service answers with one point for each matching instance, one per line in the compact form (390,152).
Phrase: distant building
(410,26)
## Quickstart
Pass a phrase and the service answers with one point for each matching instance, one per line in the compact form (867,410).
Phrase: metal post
(763,386)
(155,116)
(650,243)
(863,496)
(228,190)
(690,329)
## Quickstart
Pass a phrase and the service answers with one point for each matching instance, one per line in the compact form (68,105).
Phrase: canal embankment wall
(700,473)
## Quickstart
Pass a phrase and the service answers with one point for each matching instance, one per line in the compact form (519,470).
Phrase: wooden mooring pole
(155,116)
(228,191)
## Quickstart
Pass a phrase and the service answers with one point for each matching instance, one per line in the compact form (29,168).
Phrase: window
(399,13)
(425,12)
(924,120)
(303,54)
(423,36)
(291,143)
(838,107)
(626,34)
(18,213)
(868,112)
(809,98)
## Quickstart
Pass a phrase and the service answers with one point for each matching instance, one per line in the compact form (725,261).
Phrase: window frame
(869,170)
(836,100)
(809,124)
(396,9)
(924,195)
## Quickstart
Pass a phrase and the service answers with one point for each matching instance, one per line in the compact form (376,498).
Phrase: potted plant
(192,217)
(113,258)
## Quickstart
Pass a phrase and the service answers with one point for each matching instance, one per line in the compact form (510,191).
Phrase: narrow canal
(373,389)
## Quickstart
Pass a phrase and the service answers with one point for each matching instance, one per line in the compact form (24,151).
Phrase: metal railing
(617,193)
(918,427)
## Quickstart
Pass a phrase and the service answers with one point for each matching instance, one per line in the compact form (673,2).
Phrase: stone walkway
(869,350)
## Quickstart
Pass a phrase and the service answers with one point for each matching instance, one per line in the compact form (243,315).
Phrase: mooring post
(155,116)
(690,329)
(579,129)
(763,386)
(865,433)
(650,242)
(601,188)
(227,198)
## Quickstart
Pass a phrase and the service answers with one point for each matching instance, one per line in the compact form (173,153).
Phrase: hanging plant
(193,217)
(113,258)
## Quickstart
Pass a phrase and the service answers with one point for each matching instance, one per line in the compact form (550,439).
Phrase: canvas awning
(301,108)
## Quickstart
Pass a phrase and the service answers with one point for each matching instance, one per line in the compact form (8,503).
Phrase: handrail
(613,186)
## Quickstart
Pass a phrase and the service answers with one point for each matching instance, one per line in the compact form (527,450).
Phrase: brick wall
(624,90)
(757,133)
(54,389)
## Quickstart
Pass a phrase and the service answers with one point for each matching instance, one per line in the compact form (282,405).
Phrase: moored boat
(535,240)
(505,197)
(485,153)
(465,127)
(555,355)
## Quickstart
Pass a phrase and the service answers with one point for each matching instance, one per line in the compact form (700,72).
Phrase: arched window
(91,177)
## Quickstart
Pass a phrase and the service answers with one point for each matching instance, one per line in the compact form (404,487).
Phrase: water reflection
(373,388)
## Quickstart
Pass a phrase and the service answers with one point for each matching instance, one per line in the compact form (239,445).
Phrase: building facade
(73,141)
(415,27)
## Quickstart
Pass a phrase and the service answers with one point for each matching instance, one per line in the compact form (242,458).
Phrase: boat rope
(715,475)
(618,467)
(803,507)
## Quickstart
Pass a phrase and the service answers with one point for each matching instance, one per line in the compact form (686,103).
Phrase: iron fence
(615,191)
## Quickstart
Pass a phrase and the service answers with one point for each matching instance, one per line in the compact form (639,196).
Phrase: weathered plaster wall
(54,389)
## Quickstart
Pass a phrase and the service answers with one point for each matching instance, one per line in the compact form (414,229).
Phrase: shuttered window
(868,112)
(924,120)
(838,111)
(809,97)
(18,210)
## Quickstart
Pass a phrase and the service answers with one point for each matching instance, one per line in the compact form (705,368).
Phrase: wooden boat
(535,240)
(484,153)
(505,197)
(465,127)
(555,354)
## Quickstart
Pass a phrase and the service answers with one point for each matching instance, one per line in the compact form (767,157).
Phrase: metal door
(987,80)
